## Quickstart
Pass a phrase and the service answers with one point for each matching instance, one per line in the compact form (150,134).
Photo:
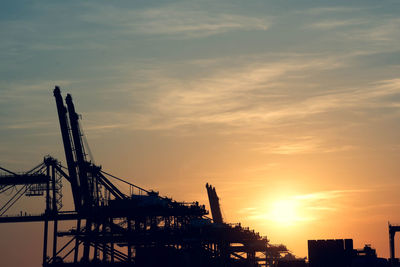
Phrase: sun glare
(285,212)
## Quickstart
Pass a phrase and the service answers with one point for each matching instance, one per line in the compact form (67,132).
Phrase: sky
(289,108)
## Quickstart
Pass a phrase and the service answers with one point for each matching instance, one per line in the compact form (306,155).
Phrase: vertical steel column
(129,240)
(112,251)
(112,243)
(47,189)
(392,234)
(46,221)
(46,226)
(78,230)
(104,232)
(55,212)
(86,241)
(96,243)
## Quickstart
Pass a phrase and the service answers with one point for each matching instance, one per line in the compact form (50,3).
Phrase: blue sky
(239,94)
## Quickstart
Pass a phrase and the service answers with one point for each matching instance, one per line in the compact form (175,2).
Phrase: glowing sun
(284,212)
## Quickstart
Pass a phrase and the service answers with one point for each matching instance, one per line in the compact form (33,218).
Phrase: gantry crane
(117,229)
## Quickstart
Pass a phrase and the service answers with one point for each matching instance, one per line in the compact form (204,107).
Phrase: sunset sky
(291,109)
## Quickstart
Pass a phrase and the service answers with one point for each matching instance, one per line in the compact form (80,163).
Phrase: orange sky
(290,109)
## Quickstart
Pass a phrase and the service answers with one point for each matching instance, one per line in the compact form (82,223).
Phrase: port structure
(112,228)
(392,233)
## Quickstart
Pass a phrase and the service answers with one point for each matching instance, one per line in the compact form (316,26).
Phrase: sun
(284,212)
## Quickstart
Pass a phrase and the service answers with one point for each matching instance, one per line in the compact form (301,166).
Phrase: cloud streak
(182,21)
(254,95)
(249,96)
(332,24)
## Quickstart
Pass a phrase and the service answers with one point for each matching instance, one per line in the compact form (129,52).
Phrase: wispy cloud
(184,21)
(300,145)
(382,32)
(257,93)
(331,194)
(253,92)
(332,9)
(332,24)
(28,125)
(247,96)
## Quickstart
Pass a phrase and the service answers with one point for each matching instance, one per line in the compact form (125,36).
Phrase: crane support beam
(62,173)
(40,218)
(24,179)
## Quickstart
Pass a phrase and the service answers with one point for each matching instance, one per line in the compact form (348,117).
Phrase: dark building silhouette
(340,253)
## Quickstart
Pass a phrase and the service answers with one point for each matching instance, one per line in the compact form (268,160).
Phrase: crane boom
(79,152)
(62,117)
(214,204)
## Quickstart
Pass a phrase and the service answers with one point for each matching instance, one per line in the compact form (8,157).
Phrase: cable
(8,171)
(26,189)
(138,187)
(86,144)
(4,190)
